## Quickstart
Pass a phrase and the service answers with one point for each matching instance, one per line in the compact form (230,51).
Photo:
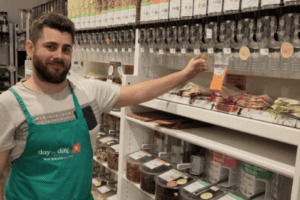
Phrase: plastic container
(164,6)
(250,5)
(133,164)
(148,172)
(175,10)
(215,8)
(232,7)
(188,192)
(187,9)
(267,4)
(200,8)
(113,157)
(103,192)
(222,167)
(145,11)
(169,183)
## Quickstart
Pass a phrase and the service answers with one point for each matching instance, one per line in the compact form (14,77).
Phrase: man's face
(52,55)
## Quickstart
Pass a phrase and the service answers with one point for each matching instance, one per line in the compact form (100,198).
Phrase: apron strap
(28,116)
(78,109)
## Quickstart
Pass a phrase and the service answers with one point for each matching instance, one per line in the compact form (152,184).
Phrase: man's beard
(46,75)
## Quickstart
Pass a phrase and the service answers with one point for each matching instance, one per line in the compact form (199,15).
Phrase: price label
(154,163)
(123,50)
(183,51)
(170,175)
(227,51)
(210,50)
(173,51)
(196,51)
(130,50)
(161,51)
(116,50)
(244,53)
(264,52)
(115,147)
(104,189)
(138,155)
(151,50)
(110,50)
(209,33)
(104,50)
(291,122)
(287,50)
(107,139)
(195,186)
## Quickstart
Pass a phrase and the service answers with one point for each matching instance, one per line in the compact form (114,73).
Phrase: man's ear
(29,48)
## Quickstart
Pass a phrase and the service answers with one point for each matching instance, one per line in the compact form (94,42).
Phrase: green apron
(57,160)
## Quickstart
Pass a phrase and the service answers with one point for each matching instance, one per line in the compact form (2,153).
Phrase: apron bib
(57,160)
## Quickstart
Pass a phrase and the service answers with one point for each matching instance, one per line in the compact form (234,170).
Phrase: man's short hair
(54,21)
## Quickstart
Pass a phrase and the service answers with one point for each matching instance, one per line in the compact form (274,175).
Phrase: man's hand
(195,66)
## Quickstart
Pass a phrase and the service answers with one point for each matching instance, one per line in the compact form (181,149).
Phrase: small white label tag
(104,189)
(151,50)
(161,51)
(130,50)
(173,51)
(264,52)
(196,51)
(210,50)
(209,33)
(123,50)
(183,51)
(227,51)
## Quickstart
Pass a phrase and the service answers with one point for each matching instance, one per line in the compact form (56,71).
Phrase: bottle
(172,44)
(250,5)
(117,12)
(263,22)
(274,46)
(104,13)
(175,10)
(187,9)
(98,13)
(154,10)
(266,4)
(285,33)
(125,12)
(93,12)
(296,43)
(145,11)
(164,10)
(111,14)
(232,7)
(215,8)
(210,24)
(200,8)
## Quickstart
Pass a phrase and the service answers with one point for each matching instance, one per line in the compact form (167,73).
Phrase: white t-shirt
(94,96)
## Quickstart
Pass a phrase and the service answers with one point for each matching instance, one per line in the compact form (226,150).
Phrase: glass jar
(104,144)
(149,171)
(133,164)
(113,157)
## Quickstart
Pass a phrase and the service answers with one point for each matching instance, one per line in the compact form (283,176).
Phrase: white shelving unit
(268,145)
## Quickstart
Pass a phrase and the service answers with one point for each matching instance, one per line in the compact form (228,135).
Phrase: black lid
(3,13)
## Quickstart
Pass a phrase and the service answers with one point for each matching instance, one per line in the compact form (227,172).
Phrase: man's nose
(58,53)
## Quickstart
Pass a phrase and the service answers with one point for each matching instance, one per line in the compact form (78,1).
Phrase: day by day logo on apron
(76,148)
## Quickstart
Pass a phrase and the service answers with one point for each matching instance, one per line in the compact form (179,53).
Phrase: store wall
(12,7)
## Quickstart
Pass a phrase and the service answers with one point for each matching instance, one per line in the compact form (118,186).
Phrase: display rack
(268,145)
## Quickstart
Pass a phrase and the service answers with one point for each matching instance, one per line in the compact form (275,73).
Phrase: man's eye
(67,50)
(50,47)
